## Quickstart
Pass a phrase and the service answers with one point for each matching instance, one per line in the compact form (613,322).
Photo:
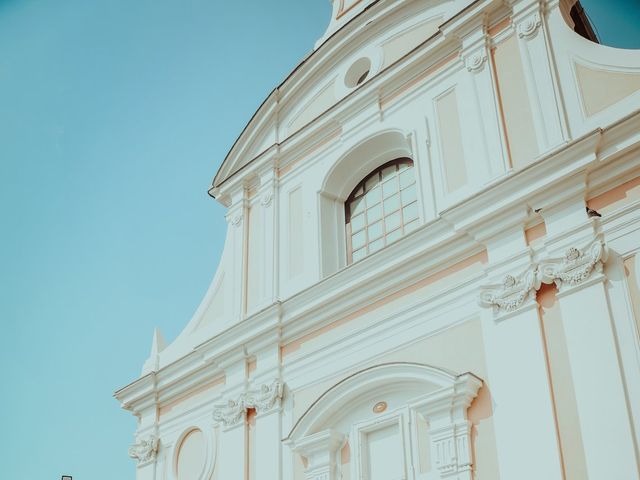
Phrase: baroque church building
(431,267)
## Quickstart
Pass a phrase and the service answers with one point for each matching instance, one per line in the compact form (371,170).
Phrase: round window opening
(192,456)
(358,73)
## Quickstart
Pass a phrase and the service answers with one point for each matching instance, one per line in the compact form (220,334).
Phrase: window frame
(361,186)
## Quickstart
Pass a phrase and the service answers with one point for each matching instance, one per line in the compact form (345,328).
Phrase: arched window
(381,209)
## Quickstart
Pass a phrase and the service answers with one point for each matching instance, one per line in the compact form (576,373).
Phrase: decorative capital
(576,266)
(144,450)
(528,27)
(512,293)
(236,220)
(266,199)
(475,61)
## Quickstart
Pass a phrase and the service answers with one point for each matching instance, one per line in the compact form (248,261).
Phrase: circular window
(191,456)
(358,72)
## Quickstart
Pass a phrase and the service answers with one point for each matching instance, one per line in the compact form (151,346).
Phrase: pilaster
(518,373)
(537,60)
(605,418)
(145,452)
(520,388)
(236,269)
(262,243)
(491,158)
(268,433)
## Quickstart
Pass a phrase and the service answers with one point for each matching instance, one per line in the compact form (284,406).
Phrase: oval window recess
(380,407)
(358,72)
(192,456)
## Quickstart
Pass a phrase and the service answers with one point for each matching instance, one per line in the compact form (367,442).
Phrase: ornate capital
(512,293)
(476,60)
(528,27)
(236,220)
(263,399)
(576,266)
(266,199)
(144,450)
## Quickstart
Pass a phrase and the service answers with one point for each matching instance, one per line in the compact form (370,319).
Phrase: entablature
(457,234)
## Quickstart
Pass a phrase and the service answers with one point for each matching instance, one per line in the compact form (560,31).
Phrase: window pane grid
(381,209)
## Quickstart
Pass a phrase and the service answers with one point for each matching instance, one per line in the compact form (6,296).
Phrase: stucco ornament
(263,399)
(266,397)
(529,26)
(576,266)
(144,450)
(475,61)
(511,293)
(266,199)
(230,413)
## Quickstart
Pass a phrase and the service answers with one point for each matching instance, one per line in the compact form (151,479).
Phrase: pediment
(327,76)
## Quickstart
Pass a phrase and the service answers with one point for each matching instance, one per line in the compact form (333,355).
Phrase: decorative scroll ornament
(576,266)
(236,220)
(529,26)
(263,399)
(512,293)
(144,450)
(475,61)
(266,199)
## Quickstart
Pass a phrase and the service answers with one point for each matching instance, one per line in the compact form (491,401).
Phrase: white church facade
(432,262)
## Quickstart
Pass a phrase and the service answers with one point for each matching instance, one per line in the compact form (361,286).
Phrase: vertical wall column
(145,451)
(516,356)
(231,417)
(254,454)
(603,409)
(537,61)
(519,381)
(147,445)
(235,285)
(271,202)
(268,434)
(488,143)
(232,449)
(268,462)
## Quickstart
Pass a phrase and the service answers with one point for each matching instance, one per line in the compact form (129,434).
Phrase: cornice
(530,186)
(431,248)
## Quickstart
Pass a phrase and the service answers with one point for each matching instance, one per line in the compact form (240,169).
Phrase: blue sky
(114,116)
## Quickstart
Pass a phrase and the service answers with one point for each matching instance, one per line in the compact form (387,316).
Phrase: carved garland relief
(263,400)
(574,268)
